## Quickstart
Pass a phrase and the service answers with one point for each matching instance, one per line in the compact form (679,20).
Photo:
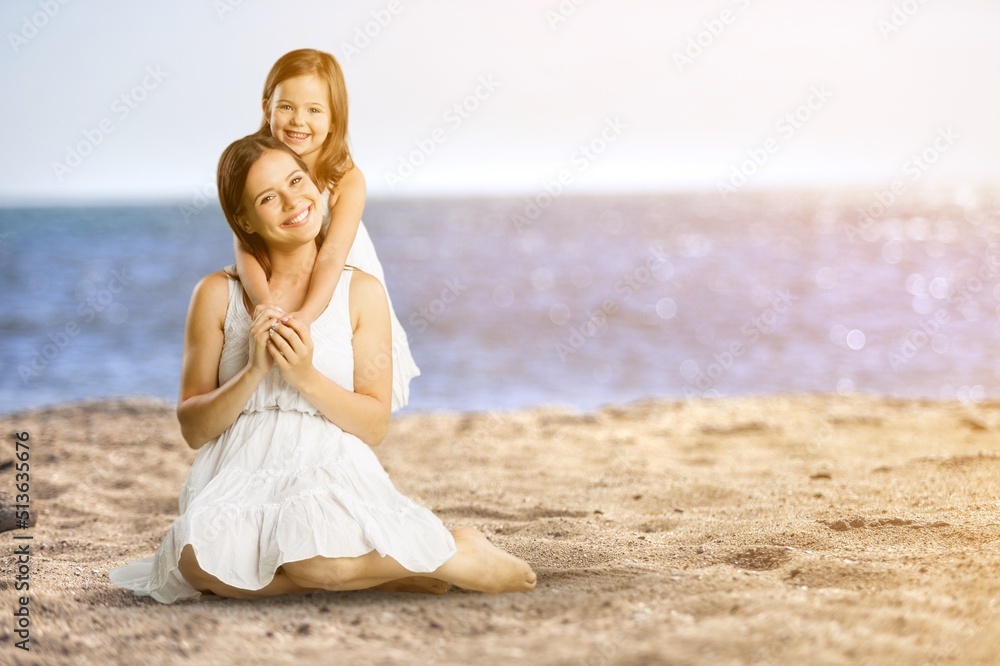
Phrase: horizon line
(112,201)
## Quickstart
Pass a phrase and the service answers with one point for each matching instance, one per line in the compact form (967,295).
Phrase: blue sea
(578,301)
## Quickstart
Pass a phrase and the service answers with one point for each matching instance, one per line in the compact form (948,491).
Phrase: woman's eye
(315,110)
(295,181)
(266,199)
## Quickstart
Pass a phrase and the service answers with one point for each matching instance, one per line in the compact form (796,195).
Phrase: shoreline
(786,528)
(159,401)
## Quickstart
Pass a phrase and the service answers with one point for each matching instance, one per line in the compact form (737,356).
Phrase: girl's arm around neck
(251,275)
(364,412)
(348,203)
(205,409)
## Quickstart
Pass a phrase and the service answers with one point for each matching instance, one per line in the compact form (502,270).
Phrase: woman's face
(280,201)
(300,115)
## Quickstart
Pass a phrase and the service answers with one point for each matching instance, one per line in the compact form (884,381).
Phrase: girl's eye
(285,106)
(295,181)
(267,198)
(315,110)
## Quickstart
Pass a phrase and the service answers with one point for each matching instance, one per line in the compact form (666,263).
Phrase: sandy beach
(767,530)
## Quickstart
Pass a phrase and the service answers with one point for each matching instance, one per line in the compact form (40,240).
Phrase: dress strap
(334,323)
(234,328)
(344,289)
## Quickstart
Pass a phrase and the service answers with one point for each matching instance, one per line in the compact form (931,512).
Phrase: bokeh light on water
(597,300)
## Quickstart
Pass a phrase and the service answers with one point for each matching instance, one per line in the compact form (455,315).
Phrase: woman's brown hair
(234,165)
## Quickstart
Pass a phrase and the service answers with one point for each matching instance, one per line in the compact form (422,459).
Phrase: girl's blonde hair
(334,159)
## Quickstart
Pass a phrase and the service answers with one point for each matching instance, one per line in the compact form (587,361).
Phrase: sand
(766,530)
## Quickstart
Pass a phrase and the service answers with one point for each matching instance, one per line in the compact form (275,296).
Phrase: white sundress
(283,483)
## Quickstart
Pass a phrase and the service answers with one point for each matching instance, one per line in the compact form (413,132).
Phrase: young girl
(305,107)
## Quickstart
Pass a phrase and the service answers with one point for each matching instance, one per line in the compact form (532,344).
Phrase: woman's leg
(478,565)
(206,582)
(415,585)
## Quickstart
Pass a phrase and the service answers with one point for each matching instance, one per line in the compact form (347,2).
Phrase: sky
(119,100)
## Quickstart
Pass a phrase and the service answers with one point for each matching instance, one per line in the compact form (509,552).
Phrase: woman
(285,495)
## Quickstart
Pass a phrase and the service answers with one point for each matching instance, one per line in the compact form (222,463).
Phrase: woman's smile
(300,218)
(280,196)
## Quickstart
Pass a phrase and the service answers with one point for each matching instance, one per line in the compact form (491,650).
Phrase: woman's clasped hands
(279,338)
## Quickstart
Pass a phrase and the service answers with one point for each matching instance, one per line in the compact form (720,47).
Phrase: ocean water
(579,301)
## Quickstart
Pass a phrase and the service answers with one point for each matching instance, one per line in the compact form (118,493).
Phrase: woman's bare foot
(481,566)
(415,584)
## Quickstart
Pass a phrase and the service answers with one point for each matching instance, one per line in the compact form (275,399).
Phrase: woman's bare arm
(347,205)
(205,409)
(365,411)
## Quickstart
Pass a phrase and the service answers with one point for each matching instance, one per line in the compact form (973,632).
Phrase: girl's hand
(264,306)
(291,347)
(260,360)
(303,318)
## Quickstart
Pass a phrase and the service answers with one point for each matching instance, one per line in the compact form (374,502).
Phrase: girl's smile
(292,138)
(300,115)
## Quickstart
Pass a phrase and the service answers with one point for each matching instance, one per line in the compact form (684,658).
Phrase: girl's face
(300,115)
(280,201)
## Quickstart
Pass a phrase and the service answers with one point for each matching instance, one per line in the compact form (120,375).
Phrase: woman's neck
(291,270)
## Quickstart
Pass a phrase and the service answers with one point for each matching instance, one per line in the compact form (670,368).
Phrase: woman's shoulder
(366,293)
(211,294)
(217,282)
(365,285)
